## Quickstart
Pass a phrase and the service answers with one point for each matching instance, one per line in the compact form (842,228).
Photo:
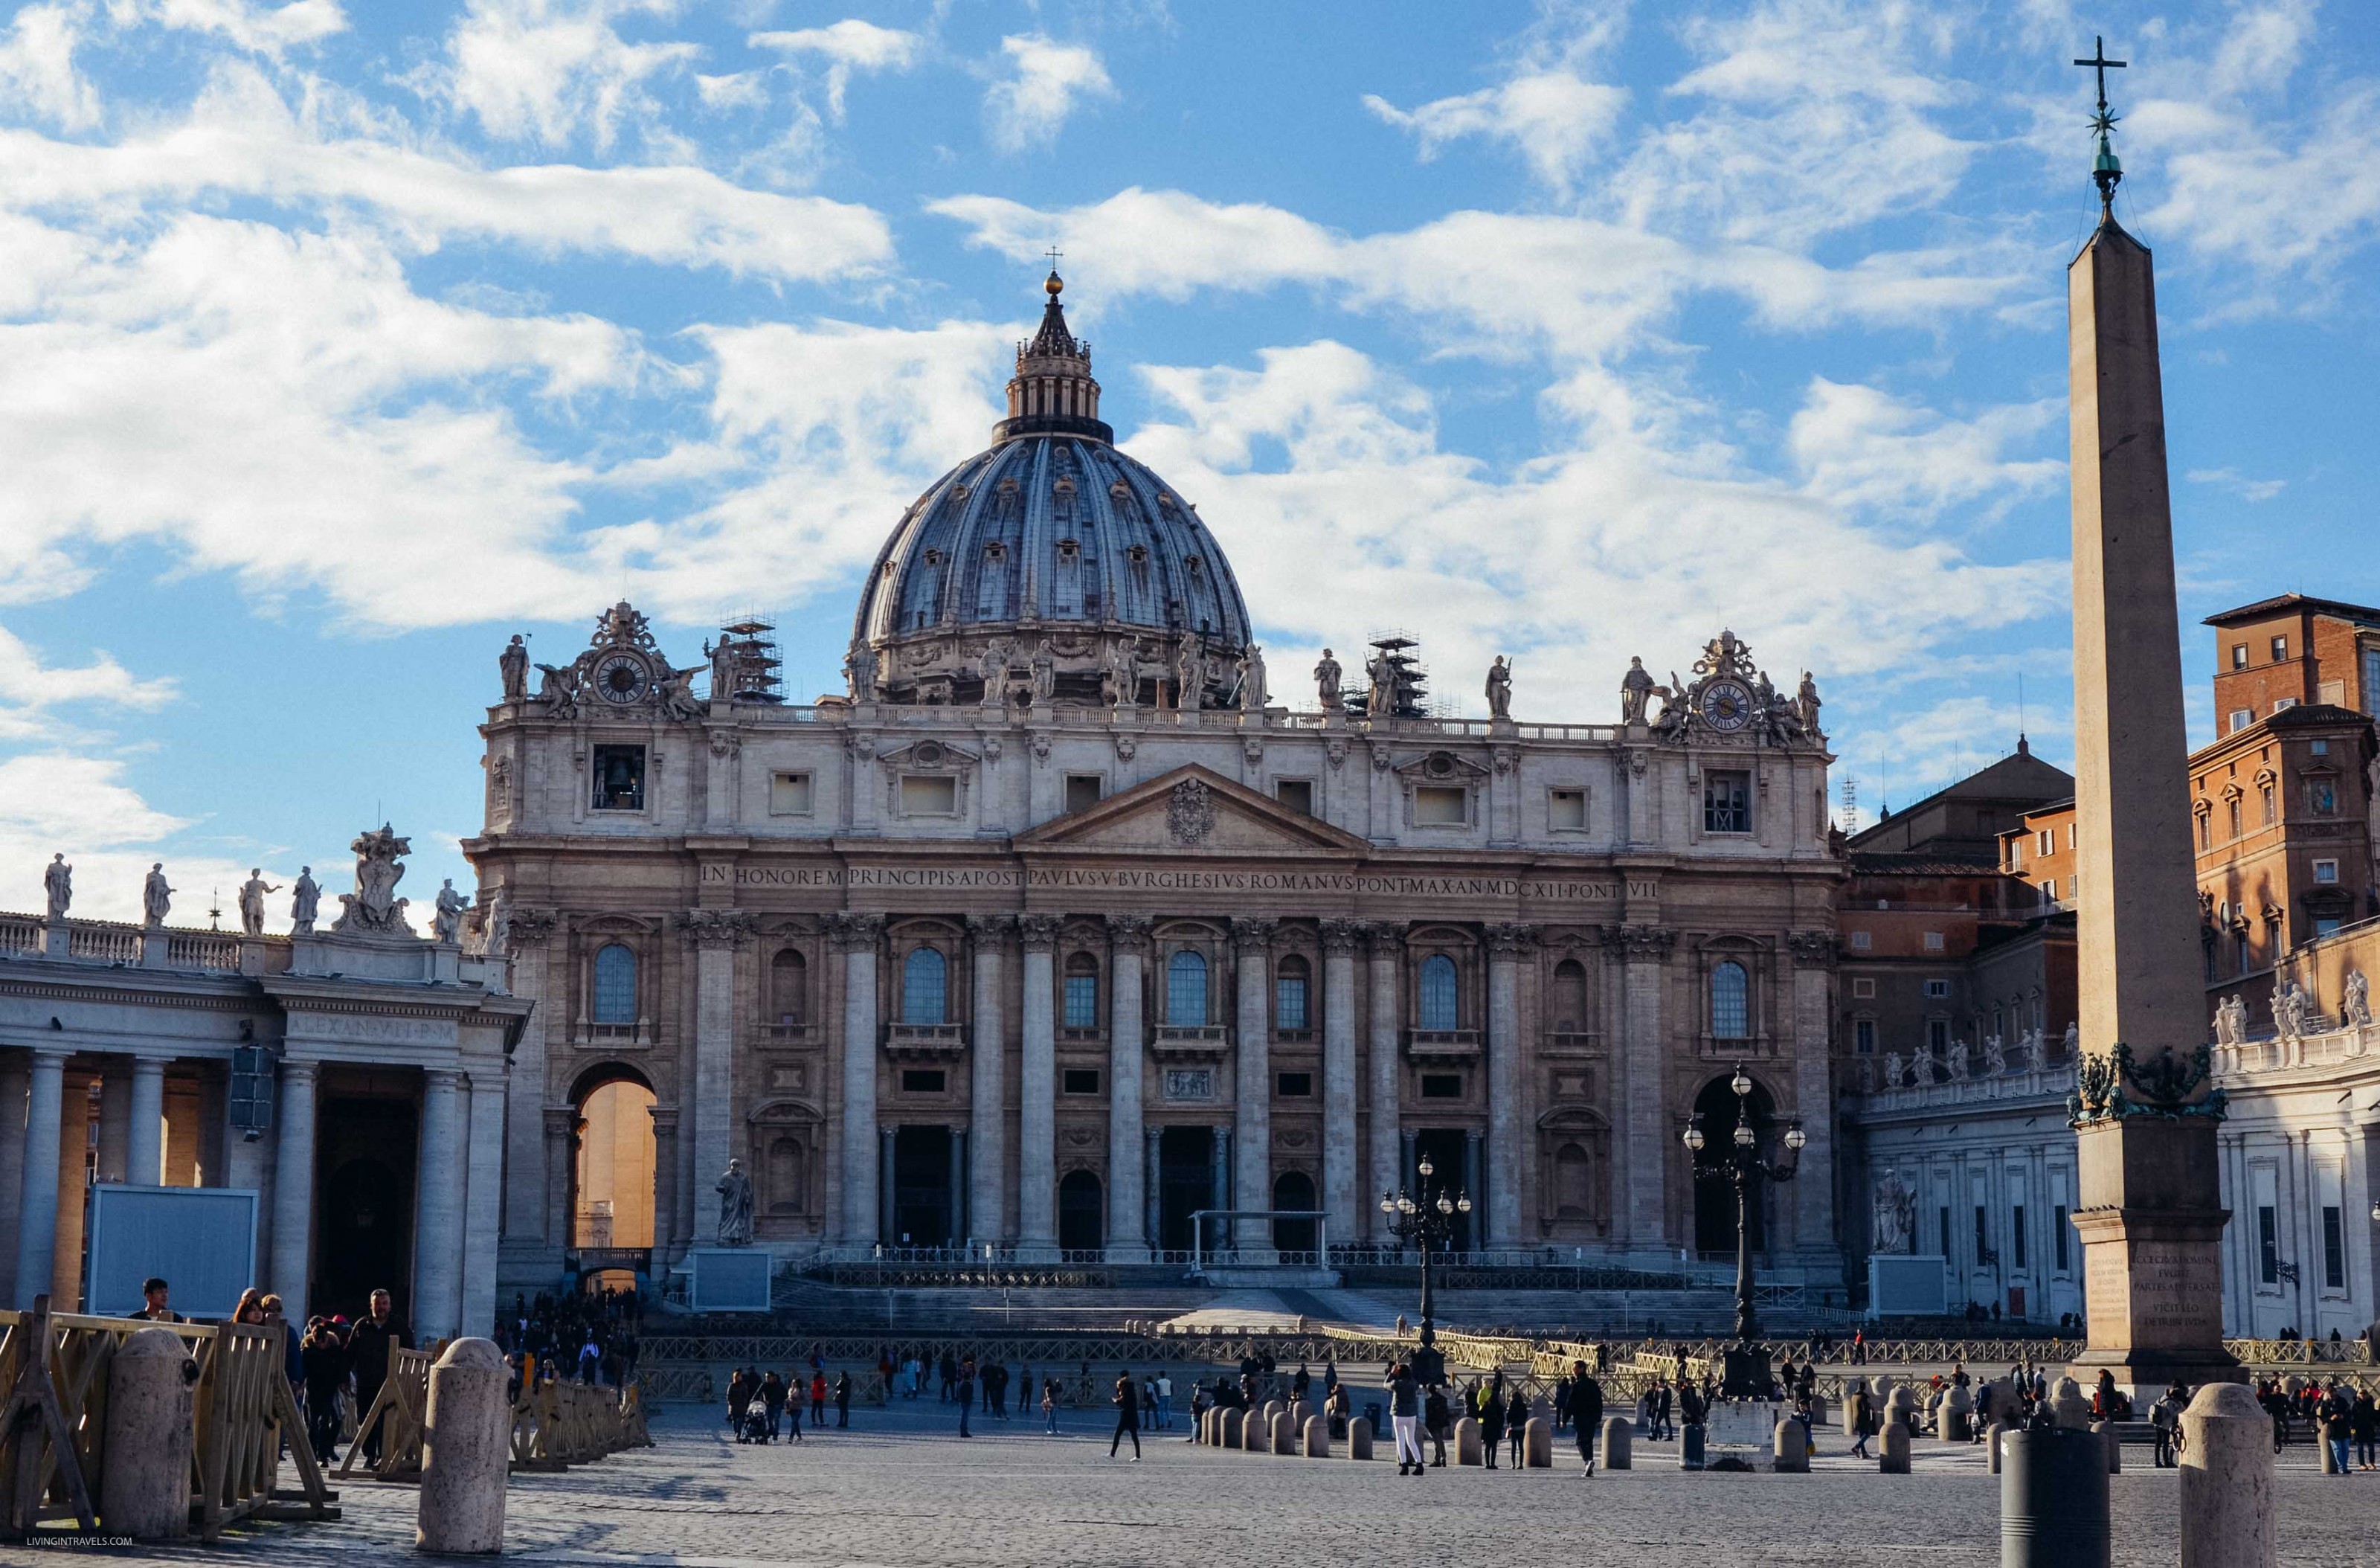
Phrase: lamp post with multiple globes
(1430,1220)
(1741,1165)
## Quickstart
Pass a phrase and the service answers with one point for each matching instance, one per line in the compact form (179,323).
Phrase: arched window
(924,987)
(1082,991)
(1186,990)
(1290,994)
(789,988)
(1574,1184)
(1730,999)
(616,985)
(785,1176)
(1570,997)
(1440,1001)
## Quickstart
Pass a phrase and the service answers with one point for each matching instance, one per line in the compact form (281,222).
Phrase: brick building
(2291,650)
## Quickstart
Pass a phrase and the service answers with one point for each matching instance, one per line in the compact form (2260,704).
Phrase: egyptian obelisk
(2150,1211)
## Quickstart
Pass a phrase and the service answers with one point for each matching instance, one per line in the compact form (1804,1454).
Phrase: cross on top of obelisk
(2105,171)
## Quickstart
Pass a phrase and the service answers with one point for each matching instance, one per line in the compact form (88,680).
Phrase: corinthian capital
(715,927)
(1129,933)
(1813,950)
(1253,936)
(1341,936)
(1040,932)
(1511,940)
(991,929)
(1648,944)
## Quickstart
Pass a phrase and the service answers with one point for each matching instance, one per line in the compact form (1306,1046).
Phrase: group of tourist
(591,1336)
(2338,1416)
(758,1402)
(336,1367)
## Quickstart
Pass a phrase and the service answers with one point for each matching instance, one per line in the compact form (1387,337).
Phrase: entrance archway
(1185,1184)
(1715,1200)
(612,1168)
(1082,1213)
(1292,1189)
(1445,1148)
(367,1235)
(921,1187)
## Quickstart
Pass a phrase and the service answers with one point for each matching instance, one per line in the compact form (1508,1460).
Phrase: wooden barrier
(558,1424)
(52,1428)
(398,1409)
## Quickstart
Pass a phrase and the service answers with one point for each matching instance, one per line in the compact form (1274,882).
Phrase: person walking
(1127,1403)
(1441,1422)
(375,1336)
(1050,1404)
(2364,1422)
(1585,1413)
(324,1357)
(818,1399)
(963,1391)
(1516,1424)
(1404,1417)
(1491,1425)
(1164,1401)
(843,1398)
(2164,1415)
(773,1402)
(2337,1430)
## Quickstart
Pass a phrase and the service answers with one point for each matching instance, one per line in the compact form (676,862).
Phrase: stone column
(1340,1197)
(888,1216)
(1507,945)
(1813,1189)
(1037,1087)
(1152,1174)
(561,1136)
(1252,1085)
(1391,1155)
(1218,1188)
(1643,1056)
(483,1120)
(1128,938)
(1474,1183)
(144,1138)
(293,1188)
(988,1098)
(960,1228)
(715,933)
(16,1082)
(862,1224)
(669,1231)
(438,1209)
(73,1189)
(114,1117)
(37,1183)
(527,1222)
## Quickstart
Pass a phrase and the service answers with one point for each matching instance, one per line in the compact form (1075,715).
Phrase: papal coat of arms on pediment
(1190,812)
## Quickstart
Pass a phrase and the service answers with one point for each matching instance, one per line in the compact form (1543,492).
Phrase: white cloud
(1860,447)
(551,71)
(1048,81)
(77,799)
(37,66)
(262,29)
(847,46)
(2237,483)
(37,700)
(1555,119)
(241,139)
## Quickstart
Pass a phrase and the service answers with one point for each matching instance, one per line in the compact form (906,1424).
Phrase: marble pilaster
(715,934)
(37,1187)
(1507,944)
(1128,937)
(1252,1083)
(987,1097)
(862,1224)
(293,1188)
(1037,1111)
(438,1215)
(1644,1057)
(1340,1198)
(1390,1155)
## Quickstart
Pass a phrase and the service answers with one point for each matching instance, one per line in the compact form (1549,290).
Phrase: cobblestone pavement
(900,1488)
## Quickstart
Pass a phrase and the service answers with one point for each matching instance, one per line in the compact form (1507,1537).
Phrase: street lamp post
(1741,1165)
(1430,1221)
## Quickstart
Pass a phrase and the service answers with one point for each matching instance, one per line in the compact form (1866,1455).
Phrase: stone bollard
(1298,1411)
(1957,1420)
(1227,1430)
(1359,1439)
(2054,1501)
(1892,1450)
(1285,1434)
(1467,1443)
(2329,1454)
(1537,1443)
(1318,1437)
(1901,1405)
(1853,1387)
(466,1448)
(144,1482)
(1692,1446)
(2068,1406)
(2227,1481)
(1992,1447)
(1272,1407)
(1790,1445)
(2106,1432)
(1615,1443)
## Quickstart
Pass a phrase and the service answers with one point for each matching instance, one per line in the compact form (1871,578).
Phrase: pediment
(1192,810)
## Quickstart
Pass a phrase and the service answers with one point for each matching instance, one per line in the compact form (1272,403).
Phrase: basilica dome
(1048,564)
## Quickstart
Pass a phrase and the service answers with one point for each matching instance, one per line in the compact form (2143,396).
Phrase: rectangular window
(1289,1002)
(1082,1002)
(1863,987)
(789,795)
(2239,655)
(1942,1227)
(1295,793)
(2016,1234)
(1983,1235)
(928,796)
(1937,1034)
(1933,941)
(1863,1037)
(619,778)
(2049,842)
(2325,871)
(2334,1249)
(2326,925)
(1293,1086)
(1727,802)
(2282,703)
(2057,1237)
(2268,1246)
(2242,718)
(1862,941)
(1441,806)
(2372,681)
(922,1080)
(1938,990)
(2280,650)
(1081,1080)
(2074,887)
(1083,792)
(2318,748)
(1442,1085)
(2049,890)
(1566,810)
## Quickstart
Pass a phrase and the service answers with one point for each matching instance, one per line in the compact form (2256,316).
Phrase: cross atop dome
(1052,392)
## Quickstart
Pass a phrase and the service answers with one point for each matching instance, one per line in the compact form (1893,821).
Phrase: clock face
(622,678)
(1726,705)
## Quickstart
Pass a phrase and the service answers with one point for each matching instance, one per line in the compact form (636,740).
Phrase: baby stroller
(754,1427)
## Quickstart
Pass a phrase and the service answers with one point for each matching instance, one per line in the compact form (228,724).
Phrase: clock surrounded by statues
(1725,706)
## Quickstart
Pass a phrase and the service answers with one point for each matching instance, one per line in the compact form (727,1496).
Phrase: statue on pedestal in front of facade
(1896,1216)
(305,900)
(1327,675)
(2355,1001)
(446,924)
(1252,680)
(735,1191)
(1635,691)
(57,881)
(252,901)
(1500,689)
(512,664)
(156,898)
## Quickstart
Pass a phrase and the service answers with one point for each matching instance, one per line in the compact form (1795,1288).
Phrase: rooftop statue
(1327,675)
(252,901)
(374,908)
(57,881)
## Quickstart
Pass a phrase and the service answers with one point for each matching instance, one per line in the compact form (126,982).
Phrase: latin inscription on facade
(377,1030)
(1168,878)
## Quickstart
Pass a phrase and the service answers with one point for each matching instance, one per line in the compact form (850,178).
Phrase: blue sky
(339,342)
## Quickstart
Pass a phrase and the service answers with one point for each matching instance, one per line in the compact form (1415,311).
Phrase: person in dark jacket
(1516,1426)
(376,1334)
(1126,1400)
(1491,1425)
(1404,1417)
(772,1403)
(1585,1412)
(324,1357)
(843,1398)
(1441,1422)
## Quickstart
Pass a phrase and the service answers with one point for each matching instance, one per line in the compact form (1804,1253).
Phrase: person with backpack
(1126,1400)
